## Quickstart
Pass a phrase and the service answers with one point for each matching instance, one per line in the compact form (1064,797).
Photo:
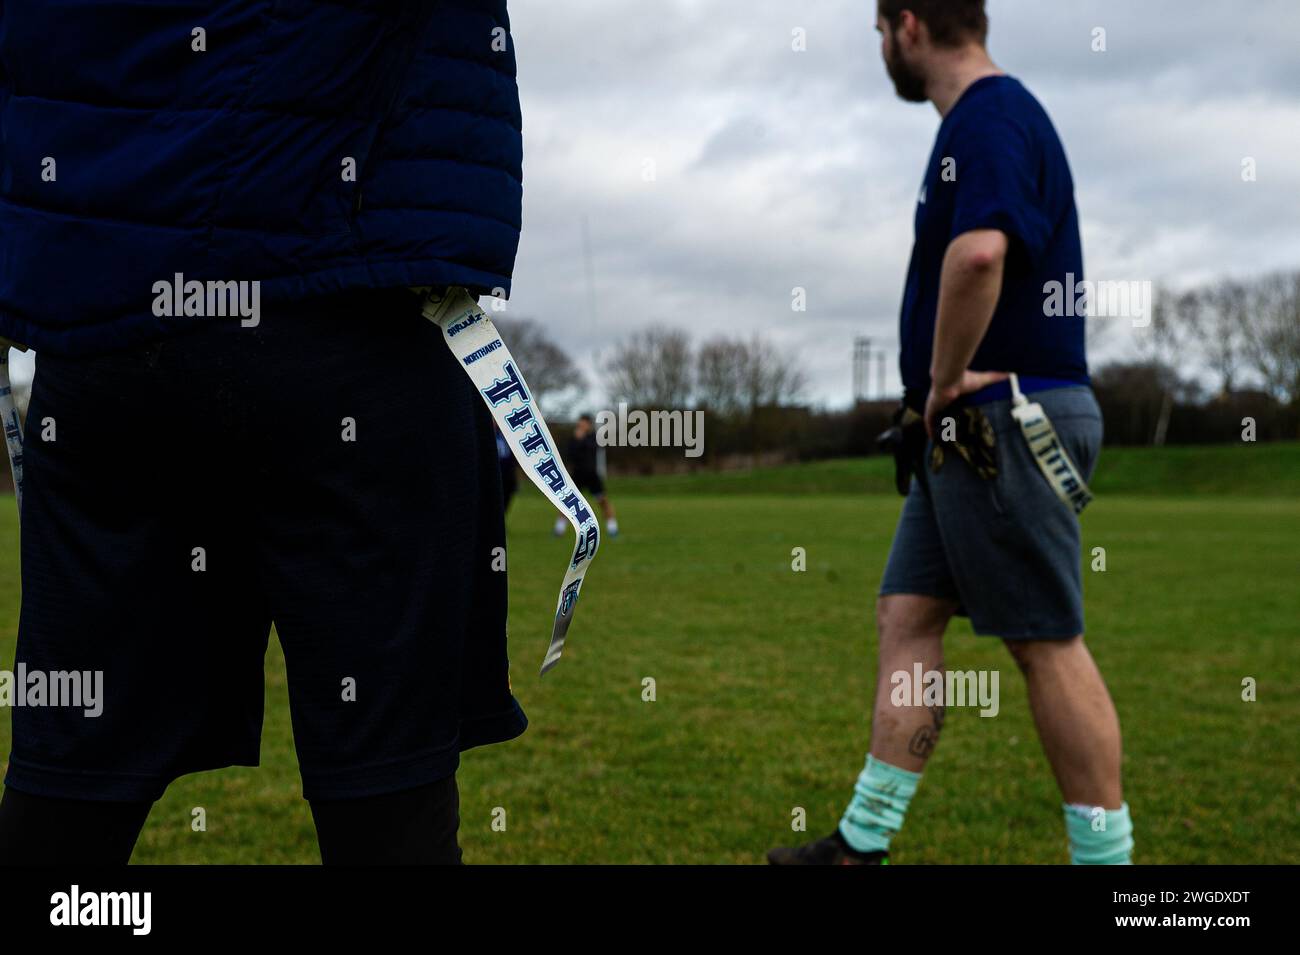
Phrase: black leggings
(38,830)
(413,827)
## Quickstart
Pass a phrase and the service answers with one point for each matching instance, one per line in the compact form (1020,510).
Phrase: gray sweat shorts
(1007,549)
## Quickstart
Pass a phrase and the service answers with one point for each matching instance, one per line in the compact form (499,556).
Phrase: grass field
(763,678)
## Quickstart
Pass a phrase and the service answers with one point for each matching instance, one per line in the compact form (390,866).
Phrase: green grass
(763,680)
(1266,470)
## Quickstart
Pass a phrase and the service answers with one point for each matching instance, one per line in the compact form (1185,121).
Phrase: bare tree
(1270,327)
(1163,343)
(748,383)
(1218,323)
(652,369)
(773,378)
(721,371)
(549,371)
(738,377)
(1136,397)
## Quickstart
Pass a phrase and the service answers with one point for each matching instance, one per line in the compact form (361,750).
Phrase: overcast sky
(775,168)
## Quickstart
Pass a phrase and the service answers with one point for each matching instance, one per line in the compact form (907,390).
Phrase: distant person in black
(580,458)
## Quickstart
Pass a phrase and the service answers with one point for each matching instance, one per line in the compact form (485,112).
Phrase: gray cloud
(775,169)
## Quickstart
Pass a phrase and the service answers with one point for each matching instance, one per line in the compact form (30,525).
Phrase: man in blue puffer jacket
(210,224)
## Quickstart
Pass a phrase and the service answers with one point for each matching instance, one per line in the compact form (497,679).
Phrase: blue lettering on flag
(485,350)
(586,549)
(569,597)
(503,389)
(574,503)
(458,327)
(519,417)
(549,472)
(535,441)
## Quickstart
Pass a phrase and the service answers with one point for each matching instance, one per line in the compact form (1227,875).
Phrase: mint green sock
(880,800)
(1099,838)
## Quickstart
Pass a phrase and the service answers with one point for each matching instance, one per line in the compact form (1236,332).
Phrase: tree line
(1213,357)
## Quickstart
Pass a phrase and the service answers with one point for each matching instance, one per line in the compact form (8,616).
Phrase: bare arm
(969,287)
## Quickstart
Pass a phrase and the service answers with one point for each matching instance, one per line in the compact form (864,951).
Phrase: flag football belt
(13,428)
(1047,451)
(479,348)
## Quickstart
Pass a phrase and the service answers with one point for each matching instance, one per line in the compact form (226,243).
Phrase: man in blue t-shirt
(982,532)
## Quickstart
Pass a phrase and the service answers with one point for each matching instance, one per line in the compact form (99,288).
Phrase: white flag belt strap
(13,428)
(1048,452)
(479,348)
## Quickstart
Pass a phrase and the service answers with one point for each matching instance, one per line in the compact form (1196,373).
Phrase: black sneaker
(832,850)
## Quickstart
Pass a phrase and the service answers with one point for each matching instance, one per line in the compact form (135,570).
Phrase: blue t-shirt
(998,164)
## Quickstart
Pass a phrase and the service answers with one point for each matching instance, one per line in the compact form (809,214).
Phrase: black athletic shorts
(589,481)
(331,470)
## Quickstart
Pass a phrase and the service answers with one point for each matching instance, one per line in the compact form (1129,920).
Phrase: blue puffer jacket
(127,155)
